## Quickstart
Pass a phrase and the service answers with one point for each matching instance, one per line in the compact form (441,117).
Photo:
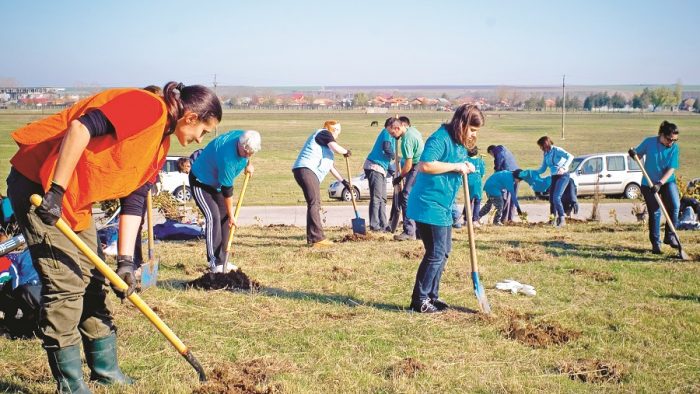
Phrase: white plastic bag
(516,287)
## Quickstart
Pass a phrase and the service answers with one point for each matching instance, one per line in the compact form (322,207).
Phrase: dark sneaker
(439,304)
(672,242)
(656,249)
(425,307)
(404,237)
(560,222)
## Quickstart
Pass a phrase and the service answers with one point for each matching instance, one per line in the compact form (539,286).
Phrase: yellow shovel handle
(115,280)
(236,211)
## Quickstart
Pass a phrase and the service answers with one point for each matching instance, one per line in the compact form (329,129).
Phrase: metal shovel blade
(149,274)
(483,302)
(359,226)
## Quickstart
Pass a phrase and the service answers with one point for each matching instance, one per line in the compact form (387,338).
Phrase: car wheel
(346,194)
(632,191)
(182,193)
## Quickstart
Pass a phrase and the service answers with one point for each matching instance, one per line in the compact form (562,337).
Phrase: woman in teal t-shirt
(440,170)
(661,162)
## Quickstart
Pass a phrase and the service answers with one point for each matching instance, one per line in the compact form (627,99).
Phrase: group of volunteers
(113,144)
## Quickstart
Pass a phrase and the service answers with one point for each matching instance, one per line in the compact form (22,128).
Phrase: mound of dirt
(592,371)
(538,335)
(408,367)
(597,276)
(526,254)
(246,378)
(234,280)
(341,273)
(357,237)
(413,254)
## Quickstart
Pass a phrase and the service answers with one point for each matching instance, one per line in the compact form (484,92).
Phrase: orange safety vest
(108,168)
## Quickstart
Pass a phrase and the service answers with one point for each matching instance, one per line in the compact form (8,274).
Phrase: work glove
(632,153)
(397,180)
(348,153)
(657,187)
(125,270)
(50,209)
(345,183)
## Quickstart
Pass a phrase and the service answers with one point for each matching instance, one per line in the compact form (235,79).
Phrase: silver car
(611,173)
(360,184)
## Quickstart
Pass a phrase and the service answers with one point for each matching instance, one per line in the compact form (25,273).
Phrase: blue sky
(358,42)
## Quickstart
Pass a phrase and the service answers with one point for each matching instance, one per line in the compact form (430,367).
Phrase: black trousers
(308,181)
(211,203)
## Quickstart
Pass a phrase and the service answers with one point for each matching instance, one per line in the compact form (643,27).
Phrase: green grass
(284,133)
(334,320)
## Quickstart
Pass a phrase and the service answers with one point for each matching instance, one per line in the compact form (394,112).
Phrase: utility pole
(563,104)
(216,129)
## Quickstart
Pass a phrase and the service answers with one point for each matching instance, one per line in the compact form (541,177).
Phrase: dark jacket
(503,159)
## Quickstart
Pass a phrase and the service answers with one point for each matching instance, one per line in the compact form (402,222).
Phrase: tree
(661,97)
(696,105)
(360,99)
(618,101)
(678,92)
(573,103)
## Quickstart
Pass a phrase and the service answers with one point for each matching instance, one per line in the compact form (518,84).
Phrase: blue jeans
(437,241)
(671,199)
(377,200)
(409,225)
(559,183)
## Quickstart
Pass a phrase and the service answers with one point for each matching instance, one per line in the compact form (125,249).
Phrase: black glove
(125,270)
(345,183)
(50,209)
(348,154)
(632,153)
(397,180)
(657,187)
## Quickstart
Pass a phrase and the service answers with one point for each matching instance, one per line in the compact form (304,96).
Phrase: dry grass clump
(595,275)
(592,371)
(538,335)
(250,377)
(524,254)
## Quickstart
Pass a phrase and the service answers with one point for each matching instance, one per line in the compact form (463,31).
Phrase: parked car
(174,181)
(614,174)
(360,184)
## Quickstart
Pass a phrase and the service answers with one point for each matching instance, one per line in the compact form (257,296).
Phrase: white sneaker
(229,267)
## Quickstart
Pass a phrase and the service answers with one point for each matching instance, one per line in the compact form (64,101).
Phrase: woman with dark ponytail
(107,146)
(439,178)
(662,157)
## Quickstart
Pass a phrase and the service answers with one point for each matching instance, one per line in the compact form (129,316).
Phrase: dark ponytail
(668,129)
(195,98)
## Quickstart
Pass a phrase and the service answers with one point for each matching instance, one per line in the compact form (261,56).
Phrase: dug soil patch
(244,378)
(538,335)
(408,367)
(597,276)
(526,254)
(234,280)
(413,254)
(358,237)
(592,371)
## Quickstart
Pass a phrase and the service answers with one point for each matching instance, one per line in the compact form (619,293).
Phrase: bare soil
(527,254)
(250,377)
(358,237)
(538,335)
(413,254)
(592,371)
(407,367)
(234,280)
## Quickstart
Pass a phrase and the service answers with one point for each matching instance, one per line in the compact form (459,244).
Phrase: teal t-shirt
(474,179)
(659,158)
(432,196)
(501,180)
(219,163)
(412,145)
(378,155)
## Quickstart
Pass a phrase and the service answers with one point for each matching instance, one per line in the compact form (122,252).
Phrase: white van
(173,181)
(613,173)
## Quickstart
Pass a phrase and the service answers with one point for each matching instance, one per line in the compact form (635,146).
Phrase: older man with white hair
(211,180)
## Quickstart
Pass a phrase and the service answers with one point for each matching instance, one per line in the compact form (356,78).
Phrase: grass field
(284,133)
(334,320)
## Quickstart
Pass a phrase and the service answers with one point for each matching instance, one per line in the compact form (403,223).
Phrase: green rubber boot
(101,356)
(67,368)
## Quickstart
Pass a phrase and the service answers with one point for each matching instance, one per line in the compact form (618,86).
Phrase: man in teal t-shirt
(411,150)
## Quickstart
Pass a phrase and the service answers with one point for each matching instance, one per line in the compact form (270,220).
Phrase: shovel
(358,224)
(135,299)
(149,270)
(395,214)
(235,218)
(478,288)
(681,254)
